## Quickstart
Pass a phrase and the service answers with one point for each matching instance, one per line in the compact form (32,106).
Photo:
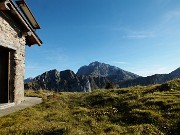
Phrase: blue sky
(140,36)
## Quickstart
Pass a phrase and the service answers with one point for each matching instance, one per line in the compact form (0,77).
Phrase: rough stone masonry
(11,38)
(17,29)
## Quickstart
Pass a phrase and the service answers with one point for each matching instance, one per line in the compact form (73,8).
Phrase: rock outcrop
(115,74)
(94,76)
(66,81)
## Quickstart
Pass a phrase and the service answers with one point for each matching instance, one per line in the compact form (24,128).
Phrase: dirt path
(29,101)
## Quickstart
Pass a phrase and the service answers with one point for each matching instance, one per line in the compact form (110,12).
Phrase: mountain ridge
(153,79)
(96,75)
(98,69)
(66,81)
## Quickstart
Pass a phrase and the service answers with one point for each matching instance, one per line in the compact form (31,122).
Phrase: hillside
(134,110)
(154,79)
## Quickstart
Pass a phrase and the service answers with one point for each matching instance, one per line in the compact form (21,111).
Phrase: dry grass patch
(135,110)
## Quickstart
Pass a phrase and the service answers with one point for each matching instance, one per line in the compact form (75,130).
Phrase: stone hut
(17,29)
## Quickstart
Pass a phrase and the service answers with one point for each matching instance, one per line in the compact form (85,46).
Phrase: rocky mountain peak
(96,64)
(67,74)
(98,69)
(95,75)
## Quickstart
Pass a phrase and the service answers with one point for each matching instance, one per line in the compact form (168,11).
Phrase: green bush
(110,85)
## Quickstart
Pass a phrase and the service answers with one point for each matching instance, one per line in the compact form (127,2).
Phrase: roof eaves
(9,4)
(28,14)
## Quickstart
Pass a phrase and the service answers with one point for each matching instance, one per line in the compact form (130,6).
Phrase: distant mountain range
(30,79)
(154,79)
(94,76)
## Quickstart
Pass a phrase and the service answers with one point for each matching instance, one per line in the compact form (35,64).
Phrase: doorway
(4,75)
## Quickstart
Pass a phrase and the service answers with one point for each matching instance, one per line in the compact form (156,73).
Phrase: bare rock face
(64,81)
(48,80)
(97,69)
(95,76)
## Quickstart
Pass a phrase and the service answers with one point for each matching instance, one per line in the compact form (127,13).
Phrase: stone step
(6,105)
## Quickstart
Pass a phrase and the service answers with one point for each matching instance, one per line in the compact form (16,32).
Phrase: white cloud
(168,24)
(32,66)
(135,34)
(54,56)
(171,15)
(120,62)
(32,69)
(139,34)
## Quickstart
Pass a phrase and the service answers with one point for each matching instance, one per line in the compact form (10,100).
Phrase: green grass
(153,110)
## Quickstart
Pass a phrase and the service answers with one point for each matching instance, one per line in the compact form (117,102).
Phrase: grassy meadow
(149,110)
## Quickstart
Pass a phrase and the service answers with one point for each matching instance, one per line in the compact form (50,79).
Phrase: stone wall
(10,37)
